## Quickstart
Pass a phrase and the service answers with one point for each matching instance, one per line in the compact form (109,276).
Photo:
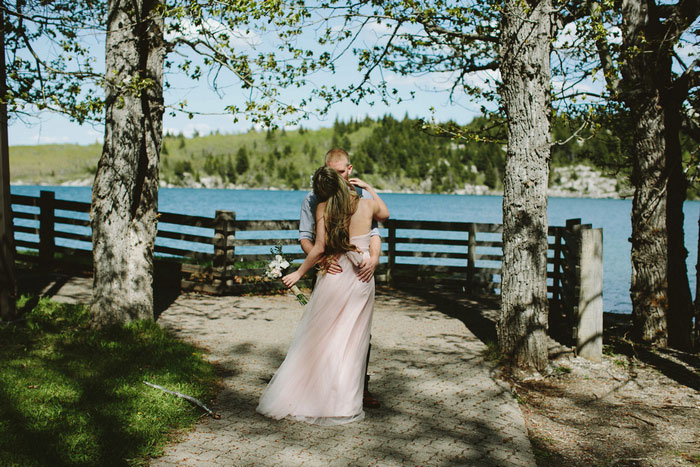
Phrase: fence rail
(224,255)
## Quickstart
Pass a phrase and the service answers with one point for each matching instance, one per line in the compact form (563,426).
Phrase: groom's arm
(307,225)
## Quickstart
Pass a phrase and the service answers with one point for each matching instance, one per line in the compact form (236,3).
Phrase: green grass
(561,370)
(53,163)
(70,395)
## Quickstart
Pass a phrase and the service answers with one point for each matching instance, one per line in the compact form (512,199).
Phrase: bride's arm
(316,251)
(379,210)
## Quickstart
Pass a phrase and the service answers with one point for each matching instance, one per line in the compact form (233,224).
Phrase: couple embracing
(323,377)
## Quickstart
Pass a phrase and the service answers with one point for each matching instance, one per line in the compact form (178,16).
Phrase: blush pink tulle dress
(321,380)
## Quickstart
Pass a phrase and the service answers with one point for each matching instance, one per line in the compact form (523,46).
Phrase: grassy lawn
(70,395)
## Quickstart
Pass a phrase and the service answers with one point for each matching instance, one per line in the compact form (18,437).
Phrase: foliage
(52,63)
(49,61)
(73,396)
(598,50)
(455,40)
(392,154)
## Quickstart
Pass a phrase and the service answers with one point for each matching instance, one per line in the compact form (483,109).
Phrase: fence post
(589,318)
(555,309)
(224,248)
(391,250)
(47,240)
(570,311)
(471,256)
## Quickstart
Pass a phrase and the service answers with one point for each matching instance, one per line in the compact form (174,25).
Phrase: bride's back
(361,220)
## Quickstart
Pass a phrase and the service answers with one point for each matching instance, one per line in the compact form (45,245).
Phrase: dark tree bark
(8,284)
(696,336)
(661,299)
(526,33)
(125,191)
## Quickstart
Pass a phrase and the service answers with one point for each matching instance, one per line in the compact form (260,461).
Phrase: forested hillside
(392,154)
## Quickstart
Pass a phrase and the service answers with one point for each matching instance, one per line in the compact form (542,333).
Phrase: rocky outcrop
(578,181)
(583,181)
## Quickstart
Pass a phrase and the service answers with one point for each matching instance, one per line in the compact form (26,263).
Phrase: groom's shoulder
(364,194)
(310,199)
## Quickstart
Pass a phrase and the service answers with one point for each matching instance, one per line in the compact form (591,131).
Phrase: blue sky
(49,128)
(431,91)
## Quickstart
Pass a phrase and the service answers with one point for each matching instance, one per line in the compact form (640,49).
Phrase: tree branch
(190,399)
(680,15)
(686,81)
(463,36)
(606,59)
(224,62)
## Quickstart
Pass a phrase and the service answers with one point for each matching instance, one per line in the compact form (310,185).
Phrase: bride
(321,380)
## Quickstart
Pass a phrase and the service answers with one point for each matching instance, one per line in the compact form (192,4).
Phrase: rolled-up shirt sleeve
(306,218)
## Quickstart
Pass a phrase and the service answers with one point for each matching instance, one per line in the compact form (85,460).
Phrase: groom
(339,160)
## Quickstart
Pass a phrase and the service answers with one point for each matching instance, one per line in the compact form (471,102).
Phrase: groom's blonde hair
(336,154)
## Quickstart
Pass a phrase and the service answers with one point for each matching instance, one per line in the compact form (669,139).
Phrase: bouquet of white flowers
(275,268)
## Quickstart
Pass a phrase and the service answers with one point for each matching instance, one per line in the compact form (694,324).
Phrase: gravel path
(441,404)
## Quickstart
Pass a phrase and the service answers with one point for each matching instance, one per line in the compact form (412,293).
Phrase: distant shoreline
(555,192)
(578,181)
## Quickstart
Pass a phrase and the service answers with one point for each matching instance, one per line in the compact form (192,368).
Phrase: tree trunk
(696,340)
(680,300)
(8,283)
(526,34)
(125,191)
(649,281)
(661,300)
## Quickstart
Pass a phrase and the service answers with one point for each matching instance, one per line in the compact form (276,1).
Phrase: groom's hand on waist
(330,265)
(366,271)
(334,267)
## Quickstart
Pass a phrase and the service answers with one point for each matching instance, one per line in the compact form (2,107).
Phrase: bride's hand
(357,182)
(291,279)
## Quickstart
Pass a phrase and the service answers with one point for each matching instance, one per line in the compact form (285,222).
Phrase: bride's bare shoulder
(366,203)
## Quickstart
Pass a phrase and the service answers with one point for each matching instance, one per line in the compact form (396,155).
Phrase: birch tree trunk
(125,191)
(526,33)
(661,300)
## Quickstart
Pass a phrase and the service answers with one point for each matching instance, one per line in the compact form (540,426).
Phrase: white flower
(276,266)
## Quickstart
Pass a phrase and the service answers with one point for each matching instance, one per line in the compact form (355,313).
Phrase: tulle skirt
(321,380)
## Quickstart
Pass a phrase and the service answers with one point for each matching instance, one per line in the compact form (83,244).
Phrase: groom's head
(339,160)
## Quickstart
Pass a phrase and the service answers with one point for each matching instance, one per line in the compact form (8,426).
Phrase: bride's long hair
(342,203)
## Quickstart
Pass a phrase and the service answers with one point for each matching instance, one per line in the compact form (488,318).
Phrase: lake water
(611,214)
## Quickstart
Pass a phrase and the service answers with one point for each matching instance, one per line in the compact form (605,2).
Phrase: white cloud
(189,130)
(238,37)
(442,82)
(379,28)
(566,36)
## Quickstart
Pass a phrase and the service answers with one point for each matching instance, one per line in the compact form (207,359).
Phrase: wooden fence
(224,255)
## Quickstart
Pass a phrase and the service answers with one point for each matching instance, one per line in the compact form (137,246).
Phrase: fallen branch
(184,396)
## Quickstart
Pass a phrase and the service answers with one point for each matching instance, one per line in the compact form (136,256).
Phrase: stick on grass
(184,396)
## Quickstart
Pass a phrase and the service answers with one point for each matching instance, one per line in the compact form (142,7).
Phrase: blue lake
(610,214)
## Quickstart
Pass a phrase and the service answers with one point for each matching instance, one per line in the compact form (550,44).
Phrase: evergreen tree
(242,162)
